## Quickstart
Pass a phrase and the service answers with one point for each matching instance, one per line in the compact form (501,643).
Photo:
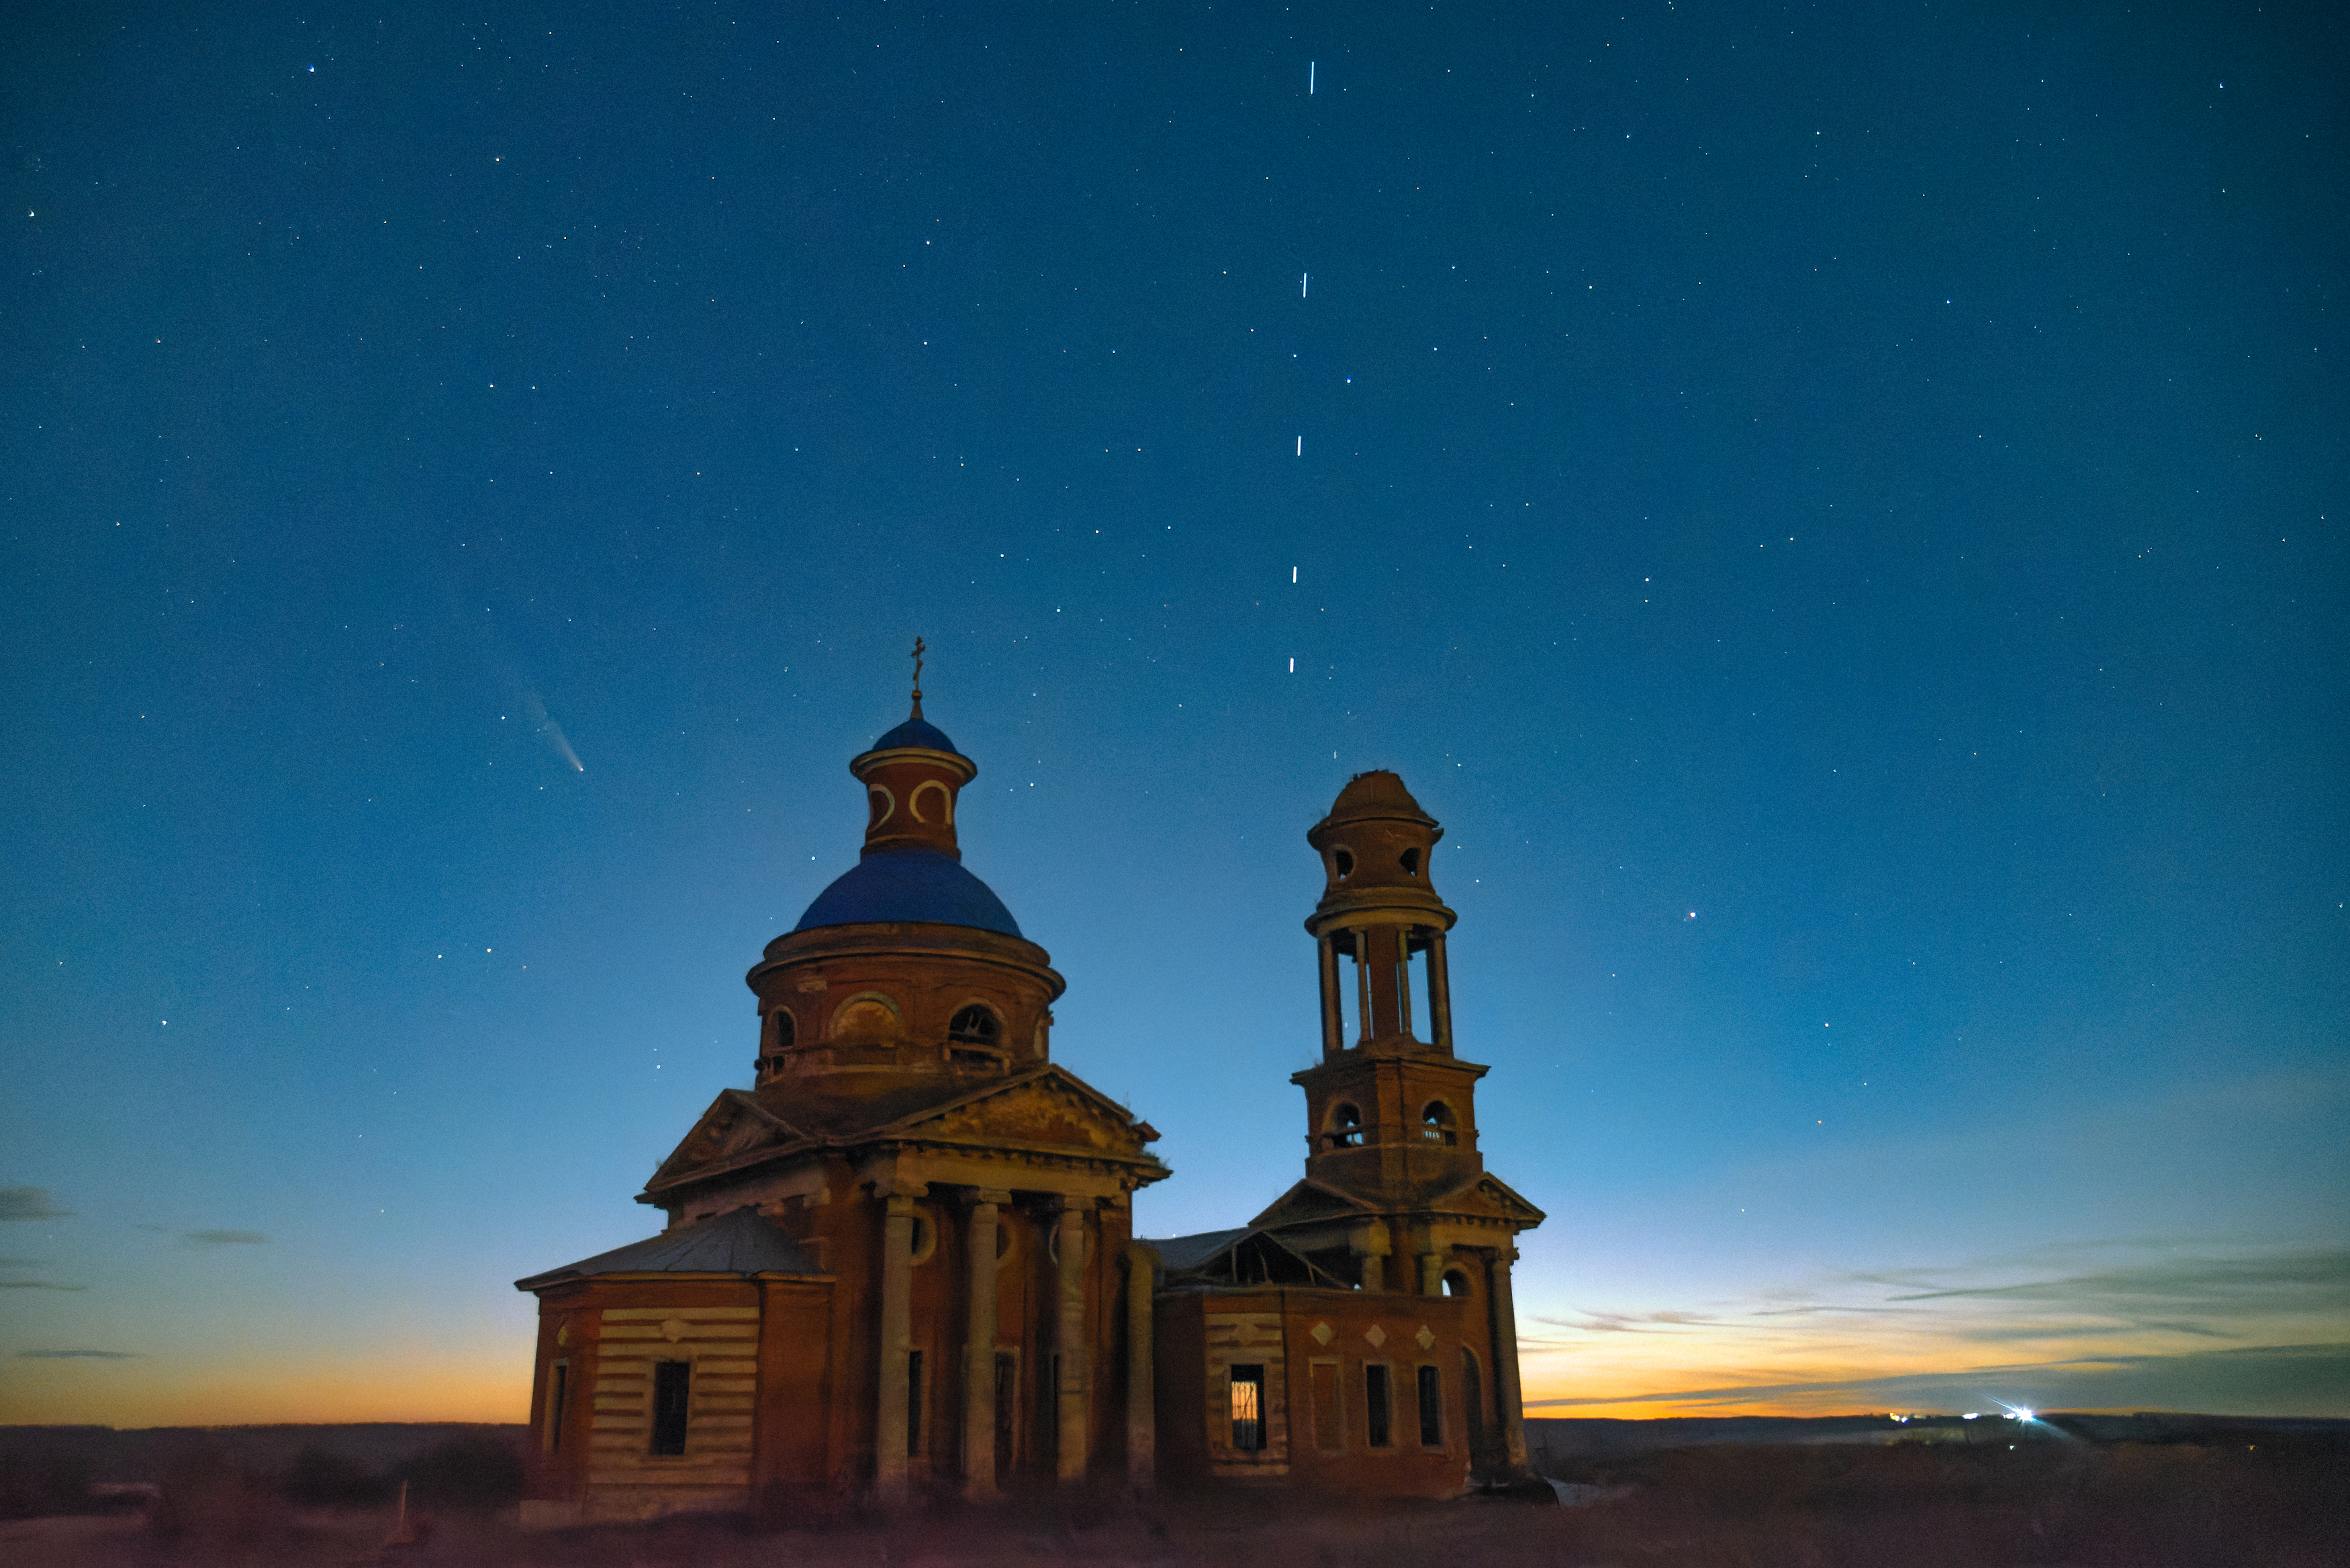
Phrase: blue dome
(916,733)
(909,885)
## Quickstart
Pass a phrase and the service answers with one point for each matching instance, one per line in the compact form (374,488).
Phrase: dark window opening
(1377,1397)
(1345,863)
(559,1401)
(673,1389)
(1456,1285)
(1345,1127)
(1431,1408)
(974,1025)
(1411,862)
(913,1403)
(1248,1409)
(784,1030)
(1436,1125)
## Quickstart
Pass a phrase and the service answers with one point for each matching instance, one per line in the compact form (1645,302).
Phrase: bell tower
(1391,1111)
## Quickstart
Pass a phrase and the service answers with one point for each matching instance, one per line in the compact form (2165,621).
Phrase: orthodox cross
(917,678)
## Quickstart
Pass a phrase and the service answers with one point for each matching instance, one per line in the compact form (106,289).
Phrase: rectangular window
(913,1403)
(1379,1398)
(1431,1408)
(1248,1409)
(673,1388)
(1326,1429)
(559,1401)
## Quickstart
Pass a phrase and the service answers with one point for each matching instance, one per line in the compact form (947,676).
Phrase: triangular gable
(1487,1197)
(734,1125)
(1049,1108)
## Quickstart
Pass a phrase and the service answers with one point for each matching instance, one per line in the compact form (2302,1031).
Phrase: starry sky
(1839,510)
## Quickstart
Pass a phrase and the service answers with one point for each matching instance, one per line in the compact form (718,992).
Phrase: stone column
(1432,1273)
(1141,1388)
(1069,1342)
(1403,981)
(897,1329)
(1505,1358)
(1331,1019)
(1362,978)
(979,1349)
(1439,993)
(1372,1246)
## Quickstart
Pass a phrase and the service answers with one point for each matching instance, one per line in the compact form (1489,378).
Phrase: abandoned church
(903,1262)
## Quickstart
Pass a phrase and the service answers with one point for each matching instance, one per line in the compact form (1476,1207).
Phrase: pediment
(1049,1108)
(734,1125)
(1488,1197)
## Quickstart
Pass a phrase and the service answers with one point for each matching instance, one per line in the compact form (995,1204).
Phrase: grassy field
(2282,1500)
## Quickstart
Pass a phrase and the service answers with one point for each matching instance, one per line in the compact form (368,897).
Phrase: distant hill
(1569,1439)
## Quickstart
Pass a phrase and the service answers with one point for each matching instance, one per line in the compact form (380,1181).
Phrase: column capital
(998,1196)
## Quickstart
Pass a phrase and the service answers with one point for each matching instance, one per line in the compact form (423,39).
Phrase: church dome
(896,884)
(916,733)
(1375,797)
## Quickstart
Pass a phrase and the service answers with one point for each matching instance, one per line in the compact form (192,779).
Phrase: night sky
(1839,510)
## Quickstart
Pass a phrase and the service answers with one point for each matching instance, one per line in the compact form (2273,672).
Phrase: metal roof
(909,885)
(741,1242)
(916,733)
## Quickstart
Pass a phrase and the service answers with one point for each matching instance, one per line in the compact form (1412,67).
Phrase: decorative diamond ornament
(1427,1340)
(672,1330)
(1324,1334)
(1375,1334)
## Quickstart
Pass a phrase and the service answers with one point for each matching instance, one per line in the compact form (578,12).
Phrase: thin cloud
(1631,1323)
(226,1239)
(2226,1281)
(38,1285)
(30,1203)
(78,1355)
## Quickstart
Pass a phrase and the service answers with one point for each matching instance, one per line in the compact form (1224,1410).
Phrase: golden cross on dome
(917,678)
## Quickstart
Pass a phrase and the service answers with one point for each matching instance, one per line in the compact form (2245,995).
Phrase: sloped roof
(1244,1257)
(741,1242)
(1182,1254)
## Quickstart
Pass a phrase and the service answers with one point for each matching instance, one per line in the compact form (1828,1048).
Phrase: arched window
(1456,1284)
(1437,1125)
(1345,861)
(1411,862)
(867,1021)
(974,1025)
(785,1030)
(1345,1127)
(883,805)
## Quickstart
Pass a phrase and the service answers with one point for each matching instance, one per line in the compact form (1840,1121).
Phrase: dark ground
(2157,1490)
